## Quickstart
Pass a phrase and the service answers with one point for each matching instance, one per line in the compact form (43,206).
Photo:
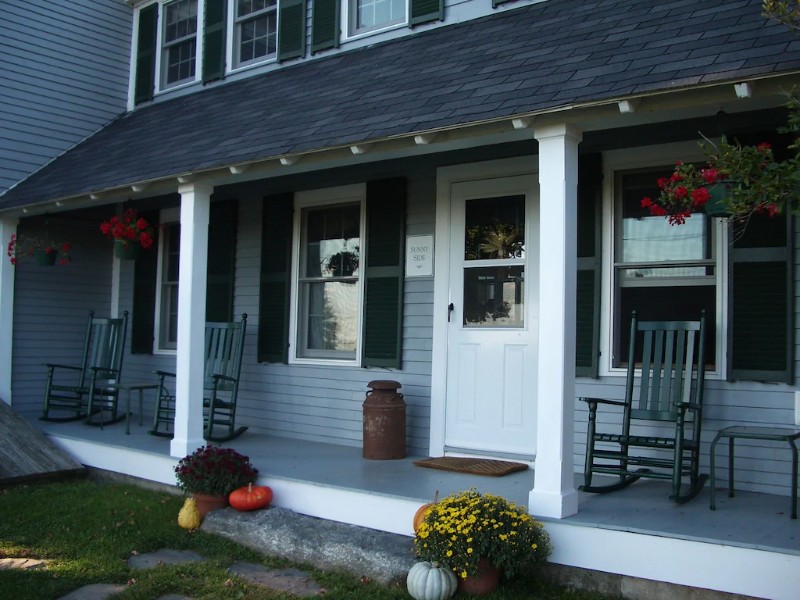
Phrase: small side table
(130,388)
(770,434)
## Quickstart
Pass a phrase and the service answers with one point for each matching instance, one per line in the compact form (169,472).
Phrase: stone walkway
(291,581)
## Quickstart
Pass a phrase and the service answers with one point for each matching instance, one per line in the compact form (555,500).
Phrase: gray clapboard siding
(50,324)
(64,68)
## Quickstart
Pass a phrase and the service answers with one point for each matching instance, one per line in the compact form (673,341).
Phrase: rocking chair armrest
(596,401)
(164,373)
(217,377)
(55,366)
(688,406)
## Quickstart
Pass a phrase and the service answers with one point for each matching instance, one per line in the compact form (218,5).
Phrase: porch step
(328,545)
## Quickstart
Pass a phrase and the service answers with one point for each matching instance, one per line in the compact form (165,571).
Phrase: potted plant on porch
(40,249)
(129,232)
(211,473)
(480,537)
(738,181)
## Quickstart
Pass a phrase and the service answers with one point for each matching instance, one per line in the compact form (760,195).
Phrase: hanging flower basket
(40,250)
(129,232)
(717,204)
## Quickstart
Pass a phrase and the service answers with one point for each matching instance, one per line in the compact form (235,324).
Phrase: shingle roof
(537,57)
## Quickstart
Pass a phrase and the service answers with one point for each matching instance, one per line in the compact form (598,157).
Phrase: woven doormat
(473,466)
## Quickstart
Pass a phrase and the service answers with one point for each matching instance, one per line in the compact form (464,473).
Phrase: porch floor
(749,520)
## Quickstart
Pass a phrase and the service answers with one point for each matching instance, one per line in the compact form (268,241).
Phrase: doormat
(472,466)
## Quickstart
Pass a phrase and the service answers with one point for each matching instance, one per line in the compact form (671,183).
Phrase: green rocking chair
(89,390)
(659,436)
(224,345)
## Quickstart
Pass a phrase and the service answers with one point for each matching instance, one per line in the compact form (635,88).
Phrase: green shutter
(496,3)
(587,316)
(424,11)
(324,25)
(276,243)
(145,272)
(221,261)
(214,31)
(761,302)
(291,29)
(146,54)
(384,273)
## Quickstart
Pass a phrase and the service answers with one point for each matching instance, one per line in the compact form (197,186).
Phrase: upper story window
(369,15)
(256,30)
(180,42)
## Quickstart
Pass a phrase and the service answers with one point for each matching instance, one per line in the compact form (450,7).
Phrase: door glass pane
(495,228)
(493,296)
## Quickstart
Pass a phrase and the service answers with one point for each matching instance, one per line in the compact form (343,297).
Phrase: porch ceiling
(549,57)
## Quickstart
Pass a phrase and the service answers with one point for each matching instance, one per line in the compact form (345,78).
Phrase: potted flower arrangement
(739,181)
(211,473)
(41,250)
(474,534)
(129,232)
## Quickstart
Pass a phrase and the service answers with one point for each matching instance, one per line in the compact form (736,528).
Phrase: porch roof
(544,57)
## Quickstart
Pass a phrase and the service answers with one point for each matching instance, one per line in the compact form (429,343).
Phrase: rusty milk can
(384,421)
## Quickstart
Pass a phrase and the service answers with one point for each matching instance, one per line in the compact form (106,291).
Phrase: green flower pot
(126,250)
(717,205)
(45,259)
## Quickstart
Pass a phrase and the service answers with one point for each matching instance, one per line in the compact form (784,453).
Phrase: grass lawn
(87,530)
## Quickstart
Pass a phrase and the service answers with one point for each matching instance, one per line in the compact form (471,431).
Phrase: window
(332,275)
(369,15)
(167,320)
(179,52)
(256,23)
(660,270)
(329,296)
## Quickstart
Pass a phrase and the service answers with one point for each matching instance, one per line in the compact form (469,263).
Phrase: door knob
(450,308)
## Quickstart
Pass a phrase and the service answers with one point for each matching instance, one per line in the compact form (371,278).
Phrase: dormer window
(256,30)
(180,42)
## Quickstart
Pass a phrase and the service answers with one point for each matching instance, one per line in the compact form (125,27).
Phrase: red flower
(680,192)
(700,197)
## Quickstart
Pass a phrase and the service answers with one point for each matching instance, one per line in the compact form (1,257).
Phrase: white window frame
(234,35)
(162,45)
(651,157)
(352,33)
(167,216)
(349,194)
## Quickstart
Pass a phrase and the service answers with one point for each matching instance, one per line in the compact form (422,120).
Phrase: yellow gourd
(189,516)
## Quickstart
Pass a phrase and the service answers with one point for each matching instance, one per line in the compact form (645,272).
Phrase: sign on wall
(419,255)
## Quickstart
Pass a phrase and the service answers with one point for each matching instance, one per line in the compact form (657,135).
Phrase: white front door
(493,318)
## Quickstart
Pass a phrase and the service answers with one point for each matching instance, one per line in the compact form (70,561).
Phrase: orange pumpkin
(419,516)
(251,497)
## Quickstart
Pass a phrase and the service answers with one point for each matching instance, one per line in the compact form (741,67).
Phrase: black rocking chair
(224,345)
(659,436)
(89,389)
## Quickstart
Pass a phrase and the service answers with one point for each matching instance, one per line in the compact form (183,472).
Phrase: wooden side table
(770,434)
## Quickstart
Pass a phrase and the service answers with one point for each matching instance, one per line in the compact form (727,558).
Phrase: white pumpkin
(428,581)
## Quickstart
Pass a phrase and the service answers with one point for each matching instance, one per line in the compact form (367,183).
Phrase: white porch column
(195,207)
(7,227)
(554,494)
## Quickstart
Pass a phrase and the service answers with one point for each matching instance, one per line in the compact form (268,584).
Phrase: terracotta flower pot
(485,581)
(206,503)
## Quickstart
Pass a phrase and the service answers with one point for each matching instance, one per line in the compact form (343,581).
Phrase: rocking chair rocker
(91,388)
(224,345)
(661,414)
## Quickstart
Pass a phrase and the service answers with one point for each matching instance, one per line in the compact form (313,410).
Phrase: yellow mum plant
(460,530)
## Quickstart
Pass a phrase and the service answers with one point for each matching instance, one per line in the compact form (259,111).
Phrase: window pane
(493,297)
(495,228)
(332,242)
(332,321)
(371,14)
